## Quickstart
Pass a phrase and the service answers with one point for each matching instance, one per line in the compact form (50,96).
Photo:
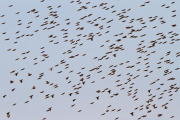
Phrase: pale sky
(129,10)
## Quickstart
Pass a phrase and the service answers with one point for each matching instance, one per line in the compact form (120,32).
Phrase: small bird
(8,114)
(51,69)
(132,113)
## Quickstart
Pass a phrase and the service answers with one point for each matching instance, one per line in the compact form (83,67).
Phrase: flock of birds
(94,55)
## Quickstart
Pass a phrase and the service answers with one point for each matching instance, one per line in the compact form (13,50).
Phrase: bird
(8,114)
(132,113)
